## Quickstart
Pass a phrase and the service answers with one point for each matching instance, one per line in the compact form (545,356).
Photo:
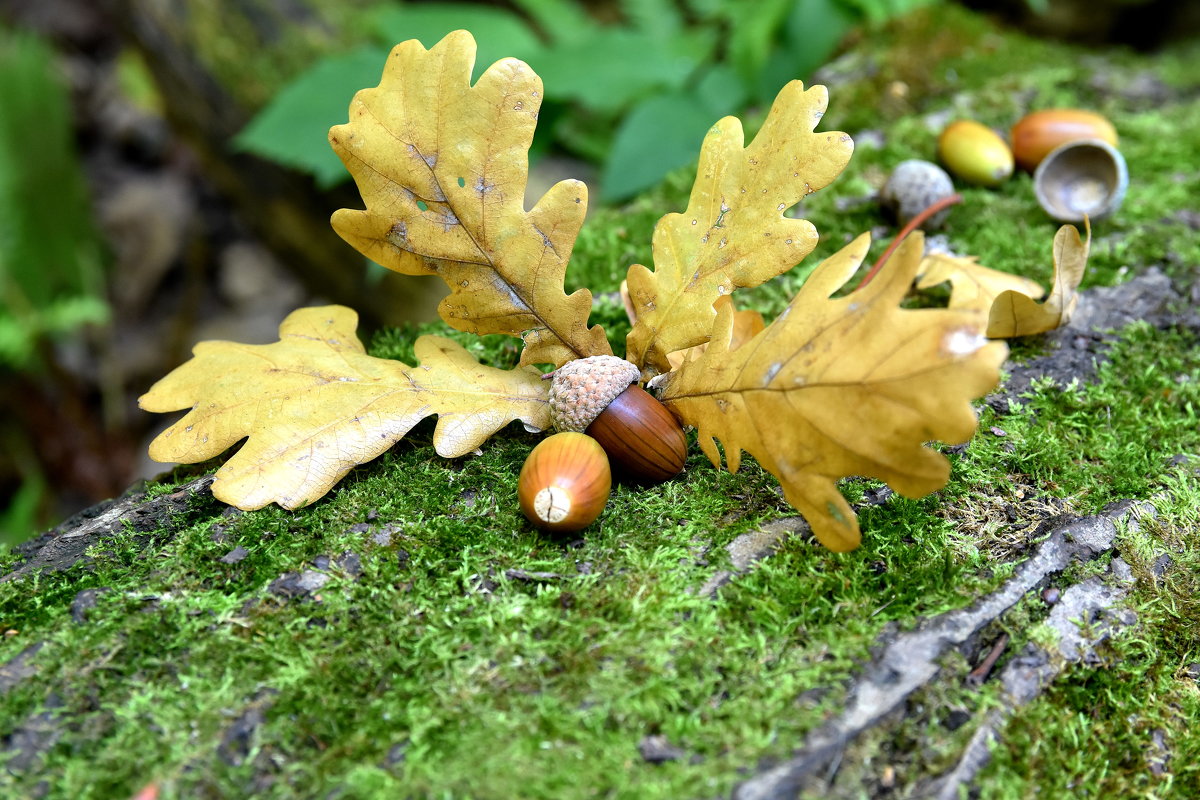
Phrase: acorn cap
(914,186)
(581,389)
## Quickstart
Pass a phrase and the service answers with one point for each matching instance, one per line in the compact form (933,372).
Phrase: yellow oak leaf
(734,233)
(853,385)
(972,286)
(747,323)
(1016,314)
(442,167)
(314,405)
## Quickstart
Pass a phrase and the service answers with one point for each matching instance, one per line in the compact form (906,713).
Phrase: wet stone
(84,602)
(19,667)
(396,754)
(235,555)
(351,563)
(298,584)
(656,749)
(238,738)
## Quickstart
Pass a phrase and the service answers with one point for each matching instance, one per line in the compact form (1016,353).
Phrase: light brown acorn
(600,396)
(1039,132)
(564,483)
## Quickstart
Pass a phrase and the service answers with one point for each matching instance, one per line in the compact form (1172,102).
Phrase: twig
(977,676)
(912,225)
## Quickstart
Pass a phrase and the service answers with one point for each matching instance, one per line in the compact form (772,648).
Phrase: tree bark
(212,81)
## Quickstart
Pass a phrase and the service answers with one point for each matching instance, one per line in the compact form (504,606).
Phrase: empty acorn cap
(1084,177)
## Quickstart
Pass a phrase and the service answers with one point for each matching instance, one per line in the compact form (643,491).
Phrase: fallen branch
(910,661)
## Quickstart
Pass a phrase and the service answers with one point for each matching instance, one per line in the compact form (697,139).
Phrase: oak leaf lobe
(834,387)
(972,285)
(314,405)
(1016,314)
(733,233)
(442,167)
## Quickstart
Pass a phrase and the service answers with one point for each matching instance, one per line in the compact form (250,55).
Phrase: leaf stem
(912,225)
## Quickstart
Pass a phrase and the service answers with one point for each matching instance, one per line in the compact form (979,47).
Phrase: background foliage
(634,95)
(51,273)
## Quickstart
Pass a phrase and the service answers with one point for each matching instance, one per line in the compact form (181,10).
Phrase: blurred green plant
(634,97)
(51,275)
(51,280)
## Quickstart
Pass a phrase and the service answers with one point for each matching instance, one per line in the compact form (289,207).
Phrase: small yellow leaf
(733,234)
(314,405)
(853,385)
(972,286)
(1016,314)
(747,324)
(442,166)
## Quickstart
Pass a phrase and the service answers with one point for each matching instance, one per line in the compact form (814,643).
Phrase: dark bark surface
(209,100)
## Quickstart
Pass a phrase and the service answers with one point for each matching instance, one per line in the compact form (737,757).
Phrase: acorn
(564,483)
(600,396)
(975,153)
(1038,133)
(914,186)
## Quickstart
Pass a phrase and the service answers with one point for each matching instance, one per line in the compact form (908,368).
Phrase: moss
(442,649)
(253,54)
(1112,439)
(446,650)
(1123,727)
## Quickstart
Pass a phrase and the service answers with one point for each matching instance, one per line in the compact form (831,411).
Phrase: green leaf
(657,17)
(880,11)
(498,33)
(613,67)
(661,133)
(754,31)
(19,333)
(721,91)
(19,519)
(562,20)
(49,246)
(293,128)
(811,34)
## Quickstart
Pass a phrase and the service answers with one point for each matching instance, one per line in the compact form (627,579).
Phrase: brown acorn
(1039,132)
(599,395)
(564,483)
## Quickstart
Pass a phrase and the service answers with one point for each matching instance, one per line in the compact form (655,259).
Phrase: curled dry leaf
(442,166)
(314,405)
(853,385)
(972,286)
(733,234)
(1016,314)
